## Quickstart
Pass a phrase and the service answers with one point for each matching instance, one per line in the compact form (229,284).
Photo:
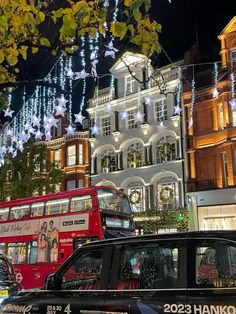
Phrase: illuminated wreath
(166,194)
(134,156)
(106,161)
(135,197)
(165,150)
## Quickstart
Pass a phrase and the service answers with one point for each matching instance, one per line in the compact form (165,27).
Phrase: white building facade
(144,158)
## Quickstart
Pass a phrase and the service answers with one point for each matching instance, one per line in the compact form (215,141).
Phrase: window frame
(74,155)
(105,271)
(106,125)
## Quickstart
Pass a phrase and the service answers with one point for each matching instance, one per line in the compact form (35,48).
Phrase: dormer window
(129,84)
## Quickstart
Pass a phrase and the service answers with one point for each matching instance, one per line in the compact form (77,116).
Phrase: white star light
(11,149)
(23,136)
(190,123)
(233,104)
(53,122)
(3,150)
(62,101)
(19,146)
(14,154)
(9,132)
(35,120)
(8,112)
(161,128)
(107,108)
(148,100)
(48,136)
(215,93)
(60,110)
(95,129)
(124,115)
(79,117)
(70,130)
(177,110)
(138,117)
(81,75)
(38,135)
(70,73)
(110,53)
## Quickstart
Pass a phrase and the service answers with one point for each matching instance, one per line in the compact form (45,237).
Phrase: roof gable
(230,27)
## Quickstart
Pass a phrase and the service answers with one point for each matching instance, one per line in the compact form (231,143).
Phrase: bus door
(78,242)
(212,284)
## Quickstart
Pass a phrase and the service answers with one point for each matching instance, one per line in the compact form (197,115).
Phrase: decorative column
(121,160)
(150,161)
(95,165)
(147,197)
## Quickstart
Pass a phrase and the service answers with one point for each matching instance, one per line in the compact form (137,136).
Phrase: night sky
(181,18)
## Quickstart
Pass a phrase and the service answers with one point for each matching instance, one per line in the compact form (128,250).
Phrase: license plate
(3,293)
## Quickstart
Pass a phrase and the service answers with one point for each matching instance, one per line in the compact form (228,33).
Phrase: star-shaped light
(177,110)
(70,130)
(190,123)
(69,73)
(232,103)
(138,117)
(148,100)
(11,149)
(81,75)
(3,150)
(110,53)
(107,107)
(9,132)
(35,120)
(111,47)
(48,136)
(62,101)
(95,129)
(53,122)
(161,128)
(2,162)
(47,127)
(14,153)
(60,110)
(124,115)
(215,93)
(8,112)
(19,146)
(79,117)
(38,135)
(23,136)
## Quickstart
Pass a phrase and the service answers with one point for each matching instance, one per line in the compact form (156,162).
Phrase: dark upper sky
(181,18)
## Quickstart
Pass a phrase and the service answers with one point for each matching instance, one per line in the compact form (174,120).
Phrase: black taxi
(8,283)
(186,273)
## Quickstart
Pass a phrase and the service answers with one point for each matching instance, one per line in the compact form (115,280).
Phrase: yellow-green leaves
(119,29)
(44,42)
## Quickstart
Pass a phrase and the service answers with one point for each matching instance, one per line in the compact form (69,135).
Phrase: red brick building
(211,141)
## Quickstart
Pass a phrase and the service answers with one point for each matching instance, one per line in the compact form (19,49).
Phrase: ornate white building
(143,158)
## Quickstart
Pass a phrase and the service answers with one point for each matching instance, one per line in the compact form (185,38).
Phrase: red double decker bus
(39,233)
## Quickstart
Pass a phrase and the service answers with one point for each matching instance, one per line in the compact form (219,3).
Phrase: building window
(135,156)
(131,122)
(233,57)
(233,117)
(71,155)
(70,185)
(161,110)
(106,126)
(166,149)
(81,183)
(57,157)
(221,116)
(136,192)
(81,154)
(108,161)
(129,84)
(224,169)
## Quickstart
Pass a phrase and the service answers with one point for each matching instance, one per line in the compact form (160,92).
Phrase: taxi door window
(150,266)
(85,273)
(215,264)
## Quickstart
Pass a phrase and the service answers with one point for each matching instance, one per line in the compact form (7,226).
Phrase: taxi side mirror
(49,282)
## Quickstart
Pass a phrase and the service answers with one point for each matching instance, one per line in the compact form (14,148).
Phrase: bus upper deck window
(19,212)
(111,199)
(4,213)
(80,203)
(37,209)
(58,206)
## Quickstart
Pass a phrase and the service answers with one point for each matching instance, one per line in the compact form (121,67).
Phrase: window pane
(161,110)
(85,274)
(131,120)
(70,185)
(17,252)
(19,212)
(83,202)
(37,209)
(106,126)
(216,264)
(71,155)
(32,252)
(81,154)
(149,266)
(57,206)
(4,212)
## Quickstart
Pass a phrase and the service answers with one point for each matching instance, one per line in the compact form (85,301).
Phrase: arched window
(166,149)
(135,155)
(136,193)
(108,161)
(166,193)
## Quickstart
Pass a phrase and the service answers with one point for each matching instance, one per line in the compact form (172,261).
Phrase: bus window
(3,248)
(17,252)
(4,212)
(32,252)
(79,203)
(111,199)
(59,206)
(37,209)
(19,212)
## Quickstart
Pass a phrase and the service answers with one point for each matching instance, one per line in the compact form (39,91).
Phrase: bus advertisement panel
(39,233)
